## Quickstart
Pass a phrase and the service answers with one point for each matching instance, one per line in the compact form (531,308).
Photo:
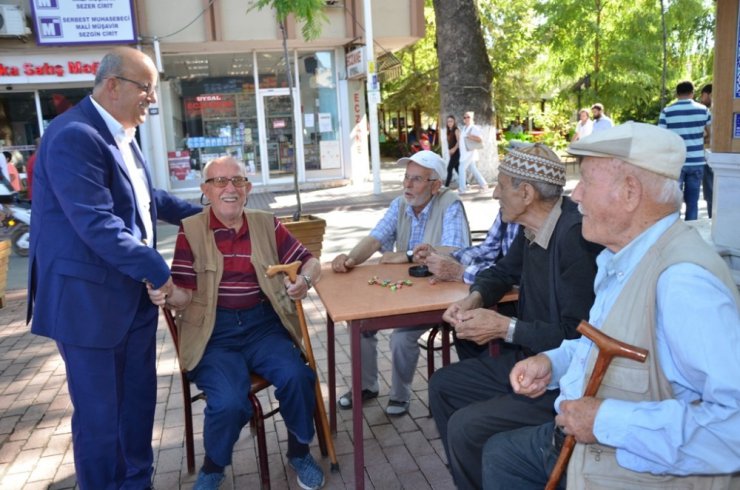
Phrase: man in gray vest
(673,422)
(425,213)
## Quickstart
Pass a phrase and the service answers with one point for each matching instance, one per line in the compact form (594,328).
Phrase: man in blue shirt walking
(691,121)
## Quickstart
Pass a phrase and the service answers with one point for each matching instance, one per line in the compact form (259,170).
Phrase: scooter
(16,220)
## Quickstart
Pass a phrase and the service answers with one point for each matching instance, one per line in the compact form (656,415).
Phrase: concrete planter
(726,208)
(309,231)
(5,249)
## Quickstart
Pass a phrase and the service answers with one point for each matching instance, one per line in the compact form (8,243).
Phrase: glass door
(277,114)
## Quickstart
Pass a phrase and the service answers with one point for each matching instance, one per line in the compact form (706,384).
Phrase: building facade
(223,86)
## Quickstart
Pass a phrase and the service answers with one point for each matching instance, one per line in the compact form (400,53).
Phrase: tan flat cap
(646,146)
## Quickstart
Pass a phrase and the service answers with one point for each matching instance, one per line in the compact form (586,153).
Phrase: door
(279,149)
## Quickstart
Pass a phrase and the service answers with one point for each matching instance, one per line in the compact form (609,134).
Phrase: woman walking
(453,143)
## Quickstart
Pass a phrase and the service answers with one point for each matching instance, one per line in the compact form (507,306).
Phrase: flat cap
(655,149)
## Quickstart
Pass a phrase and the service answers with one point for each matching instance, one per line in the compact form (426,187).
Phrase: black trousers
(471,401)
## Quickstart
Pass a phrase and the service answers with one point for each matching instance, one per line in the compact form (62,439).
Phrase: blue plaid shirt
(484,255)
(453,228)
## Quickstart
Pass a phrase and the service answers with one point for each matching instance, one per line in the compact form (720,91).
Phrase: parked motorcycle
(15,219)
(17,223)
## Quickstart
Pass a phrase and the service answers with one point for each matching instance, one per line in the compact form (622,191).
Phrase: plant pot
(5,249)
(309,231)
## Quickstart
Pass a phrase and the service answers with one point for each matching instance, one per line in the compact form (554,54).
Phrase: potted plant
(308,229)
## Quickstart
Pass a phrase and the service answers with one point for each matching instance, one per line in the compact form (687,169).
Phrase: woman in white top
(585,125)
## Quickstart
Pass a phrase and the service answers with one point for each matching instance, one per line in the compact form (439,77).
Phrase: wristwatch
(410,255)
(307,278)
(510,331)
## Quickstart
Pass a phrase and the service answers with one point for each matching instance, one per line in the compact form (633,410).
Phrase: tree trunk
(465,74)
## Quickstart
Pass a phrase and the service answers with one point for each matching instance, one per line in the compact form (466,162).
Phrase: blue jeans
(521,458)
(690,183)
(245,341)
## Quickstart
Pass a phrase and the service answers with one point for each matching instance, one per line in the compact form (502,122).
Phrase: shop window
(19,127)
(321,143)
(214,114)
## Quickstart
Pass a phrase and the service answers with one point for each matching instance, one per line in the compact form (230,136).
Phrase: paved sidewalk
(35,411)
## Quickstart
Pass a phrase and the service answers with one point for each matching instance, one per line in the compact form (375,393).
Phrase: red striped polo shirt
(239,288)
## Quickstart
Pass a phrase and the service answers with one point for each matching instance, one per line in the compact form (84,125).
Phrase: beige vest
(433,228)
(632,320)
(195,323)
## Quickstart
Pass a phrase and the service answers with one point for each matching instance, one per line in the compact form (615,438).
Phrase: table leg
(444,331)
(355,336)
(331,369)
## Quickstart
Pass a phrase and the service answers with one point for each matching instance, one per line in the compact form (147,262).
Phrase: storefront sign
(52,68)
(210,106)
(63,22)
(355,61)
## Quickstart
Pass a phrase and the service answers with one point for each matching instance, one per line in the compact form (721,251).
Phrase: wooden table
(368,308)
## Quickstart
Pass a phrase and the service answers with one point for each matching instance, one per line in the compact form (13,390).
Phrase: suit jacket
(87,263)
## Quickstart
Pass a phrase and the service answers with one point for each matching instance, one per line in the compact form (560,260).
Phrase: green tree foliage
(418,85)
(541,49)
(618,45)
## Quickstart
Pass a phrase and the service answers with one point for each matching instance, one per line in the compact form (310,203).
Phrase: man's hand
(444,267)
(577,418)
(531,376)
(296,290)
(159,296)
(470,302)
(342,263)
(480,325)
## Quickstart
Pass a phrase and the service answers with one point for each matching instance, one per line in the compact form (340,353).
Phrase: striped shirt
(453,226)
(484,255)
(239,288)
(688,119)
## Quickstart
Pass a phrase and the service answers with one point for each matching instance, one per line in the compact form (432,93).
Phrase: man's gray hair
(110,66)
(661,189)
(204,174)
(547,192)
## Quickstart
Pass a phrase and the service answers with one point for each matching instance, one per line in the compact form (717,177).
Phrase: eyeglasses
(144,87)
(237,181)
(416,179)
(466,117)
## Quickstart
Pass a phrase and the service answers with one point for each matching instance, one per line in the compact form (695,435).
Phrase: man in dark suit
(92,258)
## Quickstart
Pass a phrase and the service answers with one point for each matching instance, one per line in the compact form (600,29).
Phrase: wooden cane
(291,270)
(609,348)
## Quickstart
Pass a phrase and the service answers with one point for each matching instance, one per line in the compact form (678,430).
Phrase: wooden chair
(256,423)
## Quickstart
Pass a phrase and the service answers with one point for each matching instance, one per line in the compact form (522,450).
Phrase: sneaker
(309,474)
(345,401)
(208,481)
(484,188)
(396,408)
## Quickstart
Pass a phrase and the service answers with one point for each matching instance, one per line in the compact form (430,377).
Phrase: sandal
(345,401)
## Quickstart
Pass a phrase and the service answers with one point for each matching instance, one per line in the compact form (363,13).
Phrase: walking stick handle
(609,348)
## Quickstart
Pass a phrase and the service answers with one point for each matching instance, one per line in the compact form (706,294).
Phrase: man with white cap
(555,268)
(425,213)
(674,421)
